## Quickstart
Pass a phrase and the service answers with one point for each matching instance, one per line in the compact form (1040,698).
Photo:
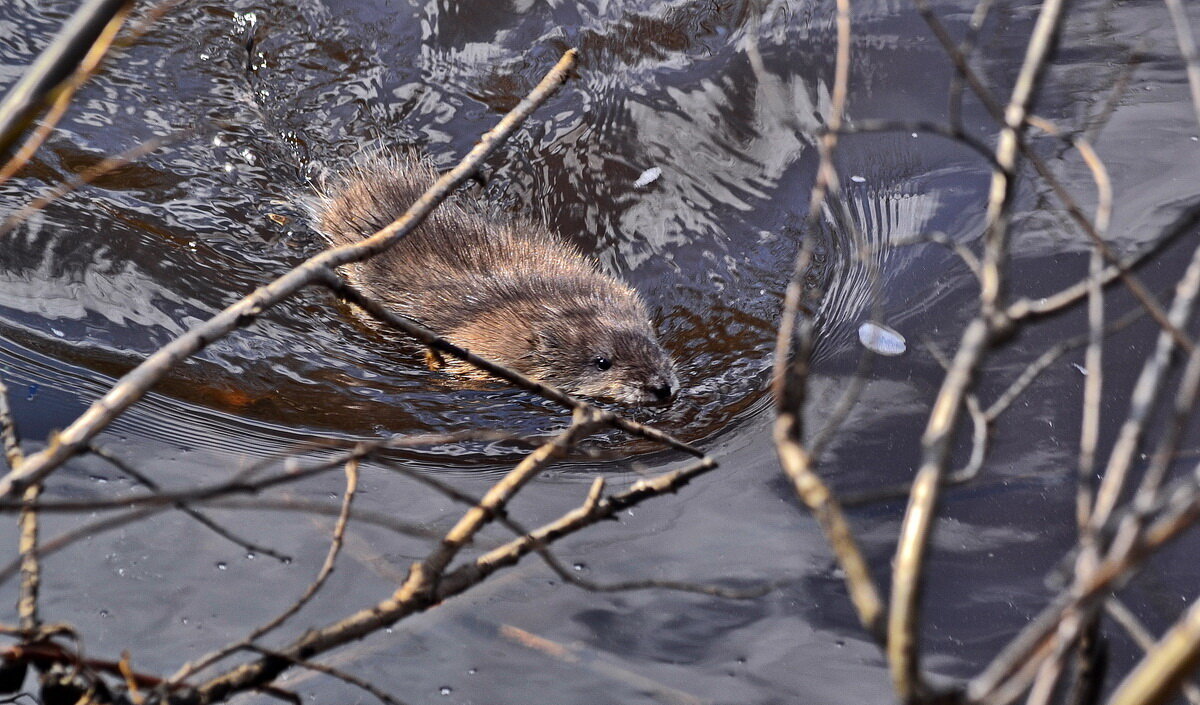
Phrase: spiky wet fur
(508,290)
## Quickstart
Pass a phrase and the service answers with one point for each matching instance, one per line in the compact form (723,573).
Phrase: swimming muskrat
(506,289)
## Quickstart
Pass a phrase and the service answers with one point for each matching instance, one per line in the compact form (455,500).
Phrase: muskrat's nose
(661,392)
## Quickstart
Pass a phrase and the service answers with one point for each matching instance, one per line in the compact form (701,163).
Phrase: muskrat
(505,288)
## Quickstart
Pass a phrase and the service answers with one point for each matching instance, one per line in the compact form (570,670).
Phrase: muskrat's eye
(602,363)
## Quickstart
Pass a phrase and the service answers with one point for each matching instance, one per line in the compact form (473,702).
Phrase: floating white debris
(858,179)
(881,340)
(648,177)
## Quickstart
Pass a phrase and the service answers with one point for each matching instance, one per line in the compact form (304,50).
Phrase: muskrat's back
(507,289)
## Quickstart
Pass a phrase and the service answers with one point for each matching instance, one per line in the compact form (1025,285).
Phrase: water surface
(103,277)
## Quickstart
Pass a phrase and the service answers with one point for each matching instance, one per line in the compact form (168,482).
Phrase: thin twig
(80,533)
(337,673)
(791,366)
(965,48)
(87,176)
(383,520)
(1008,674)
(1145,393)
(8,430)
(204,519)
(931,128)
(335,547)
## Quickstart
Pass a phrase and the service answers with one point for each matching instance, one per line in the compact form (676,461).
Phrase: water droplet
(579,567)
(840,643)
(444,690)
(858,179)
(250,556)
(105,613)
(881,339)
(222,565)
(472,671)
(57,332)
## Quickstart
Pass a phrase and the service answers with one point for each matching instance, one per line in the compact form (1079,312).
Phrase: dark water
(103,277)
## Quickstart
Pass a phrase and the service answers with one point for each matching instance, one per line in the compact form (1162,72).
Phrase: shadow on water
(103,277)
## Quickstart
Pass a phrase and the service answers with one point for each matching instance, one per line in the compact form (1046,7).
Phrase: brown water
(105,276)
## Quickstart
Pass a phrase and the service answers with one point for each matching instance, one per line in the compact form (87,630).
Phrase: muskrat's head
(604,360)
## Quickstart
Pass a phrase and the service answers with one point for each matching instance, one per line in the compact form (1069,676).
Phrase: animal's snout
(661,391)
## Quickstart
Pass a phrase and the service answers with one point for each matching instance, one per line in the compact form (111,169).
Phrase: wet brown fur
(506,289)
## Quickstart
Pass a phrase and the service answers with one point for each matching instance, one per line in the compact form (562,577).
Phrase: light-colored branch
(1080,218)
(1010,672)
(1144,639)
(8,430)
(1159,674)
(820,500)
(31,570)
